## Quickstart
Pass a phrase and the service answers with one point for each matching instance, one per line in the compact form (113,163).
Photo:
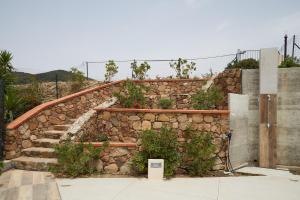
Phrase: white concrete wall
(238,106)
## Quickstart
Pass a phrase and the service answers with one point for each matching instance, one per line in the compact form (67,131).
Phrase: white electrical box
(156,169)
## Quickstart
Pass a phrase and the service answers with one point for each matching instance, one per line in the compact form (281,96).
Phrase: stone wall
(229,81)
(31,125)
(125,125)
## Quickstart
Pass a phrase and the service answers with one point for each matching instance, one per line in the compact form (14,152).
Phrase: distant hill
(62,75)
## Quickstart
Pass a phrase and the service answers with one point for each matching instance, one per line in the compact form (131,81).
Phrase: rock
(208,119)
(146,125)
(129,140)
(134,118)
(163,118)
(10,147)
(157,125)
(26,144)
(182,118)
(136,125)
(106,115)
(99,165)
(149,117)
(42,118)
(114,121)
(26,135)
(118,152)
(62,117)
(197,118)
(125,169)
(175,125)
(33,137)
(22,129)
(33,125)
(111,169)
(54,120)
(47,112)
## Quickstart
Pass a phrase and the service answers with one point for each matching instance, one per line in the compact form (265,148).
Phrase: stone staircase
(41,155)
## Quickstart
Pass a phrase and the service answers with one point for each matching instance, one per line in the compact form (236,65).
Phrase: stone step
(53,134)
(63,127)
(45,142)
(39,152)
(72,120)
(31,163)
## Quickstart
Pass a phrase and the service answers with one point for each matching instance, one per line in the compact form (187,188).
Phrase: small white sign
(155,169)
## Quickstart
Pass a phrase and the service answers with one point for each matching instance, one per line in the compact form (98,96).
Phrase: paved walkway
(19,185)
(28,185)
(226,188)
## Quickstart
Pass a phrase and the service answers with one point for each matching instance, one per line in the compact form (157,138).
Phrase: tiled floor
(31,185)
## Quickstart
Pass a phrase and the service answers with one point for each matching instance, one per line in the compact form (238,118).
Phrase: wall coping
(127,110)
(33,112)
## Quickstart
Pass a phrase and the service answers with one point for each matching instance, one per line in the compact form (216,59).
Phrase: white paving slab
(225,188)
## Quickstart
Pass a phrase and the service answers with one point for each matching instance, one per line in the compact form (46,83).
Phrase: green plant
(183,68)
(111,70)
(132,95)
(75,159)
(210,99)
(13,104)
(1,167)
(289,62)
(158,145)
(199,149)
(6,68)
(77,79)
(139,72)
(165,103)
(249,63)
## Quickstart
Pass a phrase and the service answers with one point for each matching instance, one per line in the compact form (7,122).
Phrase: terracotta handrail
(223,112)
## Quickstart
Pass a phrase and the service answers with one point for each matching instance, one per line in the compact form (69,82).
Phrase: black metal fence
(291,47)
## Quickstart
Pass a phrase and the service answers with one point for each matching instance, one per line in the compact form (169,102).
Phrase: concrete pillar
(268,74)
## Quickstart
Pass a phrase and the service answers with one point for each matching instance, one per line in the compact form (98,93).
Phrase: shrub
(199,150)
(165,103)
(75,159)
(249,63)
(289,62)
(132,95)
(183,68)
(1,167)
(139,72)
(111,70)
(158,145)
(77,79)
(210,99)
(6,68)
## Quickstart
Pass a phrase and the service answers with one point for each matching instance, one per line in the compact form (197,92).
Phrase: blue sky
(46,35)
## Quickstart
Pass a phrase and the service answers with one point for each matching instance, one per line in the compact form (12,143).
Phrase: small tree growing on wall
(183,68)
(77,79)
(139,71)
(111,70)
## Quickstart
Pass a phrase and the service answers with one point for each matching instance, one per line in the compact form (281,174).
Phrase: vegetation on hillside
(249,63)
(289,62)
